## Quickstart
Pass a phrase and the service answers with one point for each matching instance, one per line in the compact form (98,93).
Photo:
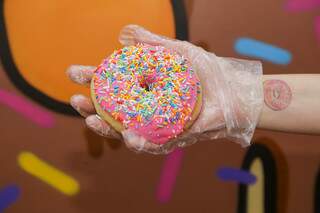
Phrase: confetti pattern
(236,175)
(168,176)
(27,109)
(258,49)
(149,89)
(8,196)
(48,174)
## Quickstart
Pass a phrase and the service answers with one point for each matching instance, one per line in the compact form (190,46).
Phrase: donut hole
(145,86)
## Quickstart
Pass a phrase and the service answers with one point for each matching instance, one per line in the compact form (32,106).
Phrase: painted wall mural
(50,162)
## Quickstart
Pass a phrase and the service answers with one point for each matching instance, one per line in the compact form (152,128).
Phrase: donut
(150,90)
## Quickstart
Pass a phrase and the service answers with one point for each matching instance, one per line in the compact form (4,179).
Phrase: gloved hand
(231,89)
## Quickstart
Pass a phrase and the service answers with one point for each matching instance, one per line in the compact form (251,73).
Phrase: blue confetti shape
(236,175)
(258,49)
(8,196)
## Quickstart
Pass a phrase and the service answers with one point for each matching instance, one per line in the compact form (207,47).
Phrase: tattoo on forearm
(277,94)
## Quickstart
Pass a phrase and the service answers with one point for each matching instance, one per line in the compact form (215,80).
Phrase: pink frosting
(149,89)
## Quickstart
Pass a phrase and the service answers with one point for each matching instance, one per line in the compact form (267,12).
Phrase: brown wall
(114,179)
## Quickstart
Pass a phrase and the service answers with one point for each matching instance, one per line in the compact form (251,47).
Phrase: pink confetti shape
(24,107)
(168,176)
(317,27)
(302,5)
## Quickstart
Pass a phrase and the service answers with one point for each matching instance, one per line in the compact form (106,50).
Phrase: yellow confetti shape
(48,174)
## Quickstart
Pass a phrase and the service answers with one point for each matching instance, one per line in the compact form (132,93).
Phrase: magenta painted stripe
(170,170)
(29,110)
(302,5)
(317,27)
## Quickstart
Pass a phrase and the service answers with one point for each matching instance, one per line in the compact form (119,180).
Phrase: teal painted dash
(261,50)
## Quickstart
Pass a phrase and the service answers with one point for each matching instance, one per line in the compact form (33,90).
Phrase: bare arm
(291,103)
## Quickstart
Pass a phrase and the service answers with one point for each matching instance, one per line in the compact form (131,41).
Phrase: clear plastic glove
(231,89)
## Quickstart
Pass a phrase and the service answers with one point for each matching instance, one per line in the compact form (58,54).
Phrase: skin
(295,106)
(298,111)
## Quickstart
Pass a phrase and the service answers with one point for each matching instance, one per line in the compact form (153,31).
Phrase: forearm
(291,103)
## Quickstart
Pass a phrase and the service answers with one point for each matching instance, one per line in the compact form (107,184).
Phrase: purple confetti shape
(170,170)
(236,175)
(8,196)
(24,107)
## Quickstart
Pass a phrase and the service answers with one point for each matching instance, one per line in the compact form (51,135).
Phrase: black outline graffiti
(270,185)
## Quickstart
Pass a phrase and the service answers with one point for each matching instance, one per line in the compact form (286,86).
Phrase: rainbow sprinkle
(149,89)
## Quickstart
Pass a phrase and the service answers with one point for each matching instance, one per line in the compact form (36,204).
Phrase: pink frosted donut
(148,89)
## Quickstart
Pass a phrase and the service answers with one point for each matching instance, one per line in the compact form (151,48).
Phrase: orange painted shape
(45,37)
